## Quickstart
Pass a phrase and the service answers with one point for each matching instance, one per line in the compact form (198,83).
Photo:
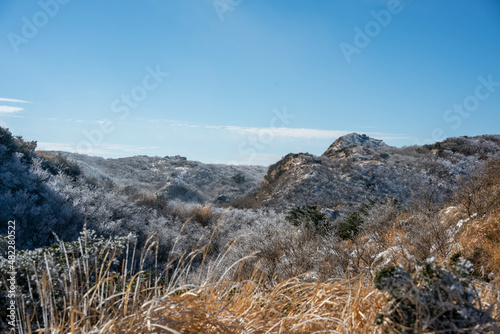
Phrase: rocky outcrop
(352,144)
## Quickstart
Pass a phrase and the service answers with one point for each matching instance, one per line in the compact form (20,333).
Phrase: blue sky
(246,81)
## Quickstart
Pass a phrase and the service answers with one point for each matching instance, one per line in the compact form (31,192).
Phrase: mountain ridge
(356,168)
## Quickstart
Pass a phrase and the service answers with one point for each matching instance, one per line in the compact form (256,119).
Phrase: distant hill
(173,178)
(356,168)
(51,194)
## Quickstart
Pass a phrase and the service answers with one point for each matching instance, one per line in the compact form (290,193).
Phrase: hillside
(27,197)
(50,196)
(353,170)
(172,178)
(426,261)
(356,168)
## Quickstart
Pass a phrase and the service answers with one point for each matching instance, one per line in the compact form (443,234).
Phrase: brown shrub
(480,244)
(202,215)
(480,192)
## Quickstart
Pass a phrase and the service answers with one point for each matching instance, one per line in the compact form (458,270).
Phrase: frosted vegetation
(172,178)
(142,227)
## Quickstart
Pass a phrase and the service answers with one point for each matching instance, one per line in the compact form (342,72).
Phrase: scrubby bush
(66,166)
(479,192)
(308,218)
(479,242)
(150,202)
(49,278)
(432,299)
(375,214)
(349,228)
(27,199)
(278,251)
(238,178)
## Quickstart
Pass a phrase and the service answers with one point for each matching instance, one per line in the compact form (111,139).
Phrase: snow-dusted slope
(174,178)
(356,167)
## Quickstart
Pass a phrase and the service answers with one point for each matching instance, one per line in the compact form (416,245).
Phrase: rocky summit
(352,143)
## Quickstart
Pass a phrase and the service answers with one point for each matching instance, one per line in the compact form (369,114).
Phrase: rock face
(222,199)
(352,144)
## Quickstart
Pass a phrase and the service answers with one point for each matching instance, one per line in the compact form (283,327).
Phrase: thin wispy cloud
(304,133)
(281,132)
(9,109)
(105,149)
(69,120)
(12,115)
(6,99)
(298,133)
(288,132)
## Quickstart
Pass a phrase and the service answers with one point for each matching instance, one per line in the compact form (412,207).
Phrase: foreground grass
(343,306)
(87,296)
(73,289)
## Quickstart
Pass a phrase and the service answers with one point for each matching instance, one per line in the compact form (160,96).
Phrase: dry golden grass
(344,306)
(246,306)
(480,242)
(97,300)
(139,303)
(45,155)
(202,215)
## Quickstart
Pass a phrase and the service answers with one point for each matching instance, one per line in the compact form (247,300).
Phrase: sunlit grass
(96,299)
